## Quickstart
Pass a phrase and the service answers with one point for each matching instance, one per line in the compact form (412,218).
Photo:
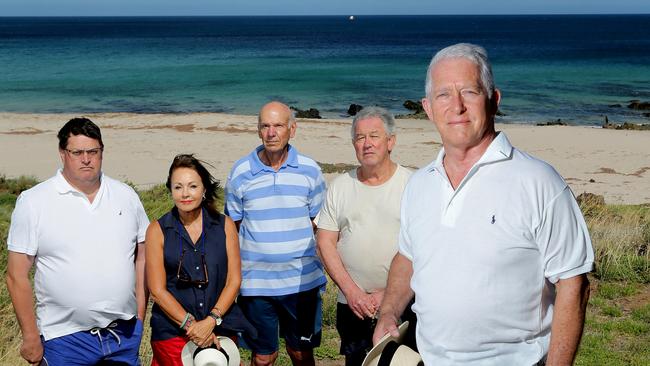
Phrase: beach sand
(140,147)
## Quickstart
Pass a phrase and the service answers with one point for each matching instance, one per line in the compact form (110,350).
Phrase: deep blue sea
(548,67)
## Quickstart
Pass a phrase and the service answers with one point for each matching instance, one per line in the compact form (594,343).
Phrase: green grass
(617,330)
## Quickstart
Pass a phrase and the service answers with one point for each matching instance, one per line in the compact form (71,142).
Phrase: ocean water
(547,67)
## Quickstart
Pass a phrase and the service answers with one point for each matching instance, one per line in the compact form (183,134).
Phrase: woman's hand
(200,332)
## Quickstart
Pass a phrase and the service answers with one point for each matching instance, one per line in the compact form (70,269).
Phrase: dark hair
(79,126)
(210,184)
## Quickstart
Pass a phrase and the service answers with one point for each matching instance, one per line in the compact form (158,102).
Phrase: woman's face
(187,189)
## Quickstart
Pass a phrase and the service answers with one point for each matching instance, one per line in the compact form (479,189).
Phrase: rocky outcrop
(307,113)
(590,203)
(638,105)
(354,109)
(626,126)
(415,107)
(557,122)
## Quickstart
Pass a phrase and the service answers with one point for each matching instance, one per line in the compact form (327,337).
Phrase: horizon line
(299,15)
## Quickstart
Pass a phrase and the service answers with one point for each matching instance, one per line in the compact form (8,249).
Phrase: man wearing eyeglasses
(83,232)
(273,194)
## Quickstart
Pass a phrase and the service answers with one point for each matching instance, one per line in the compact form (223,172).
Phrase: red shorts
(168,352)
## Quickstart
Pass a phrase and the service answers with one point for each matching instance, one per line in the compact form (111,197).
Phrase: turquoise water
(548,67)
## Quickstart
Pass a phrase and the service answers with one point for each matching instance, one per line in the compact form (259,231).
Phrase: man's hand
(200,332)
(387,324)
(32,350)
(363,305)
(377,296)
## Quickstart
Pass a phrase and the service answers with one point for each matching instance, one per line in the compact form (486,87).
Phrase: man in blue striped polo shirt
(273,194)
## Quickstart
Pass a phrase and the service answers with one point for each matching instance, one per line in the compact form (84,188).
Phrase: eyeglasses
(78,153)
(182,275)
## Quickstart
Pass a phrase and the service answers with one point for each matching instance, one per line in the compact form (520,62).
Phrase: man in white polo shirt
(492,241)
(358,228)
(84,233)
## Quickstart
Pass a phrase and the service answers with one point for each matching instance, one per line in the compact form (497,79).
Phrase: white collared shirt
(485,256)
(85,252)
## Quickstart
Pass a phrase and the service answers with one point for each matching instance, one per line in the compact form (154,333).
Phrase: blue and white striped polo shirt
(276,237)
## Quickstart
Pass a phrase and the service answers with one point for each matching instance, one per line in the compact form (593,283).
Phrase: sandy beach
(140,147)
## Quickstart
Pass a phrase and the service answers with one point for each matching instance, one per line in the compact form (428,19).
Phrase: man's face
(459,105)
(82,160)
(274,129)
(371,142)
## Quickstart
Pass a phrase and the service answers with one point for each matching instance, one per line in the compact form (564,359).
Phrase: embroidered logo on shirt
(493,220)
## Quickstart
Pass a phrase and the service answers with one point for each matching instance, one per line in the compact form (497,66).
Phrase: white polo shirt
(85,253)
(486,255)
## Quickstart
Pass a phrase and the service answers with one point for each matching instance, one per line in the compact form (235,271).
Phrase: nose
(457,103)
(367,143)
(271,131)
(85,157)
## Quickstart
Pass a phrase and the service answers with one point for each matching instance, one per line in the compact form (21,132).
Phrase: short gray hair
(378,112)
(476,54)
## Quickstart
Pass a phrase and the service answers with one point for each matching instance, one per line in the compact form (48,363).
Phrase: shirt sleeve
(327,218)
(141,217)
(22,231)
(404,241)
(234,206)
(317,194)
(564,239)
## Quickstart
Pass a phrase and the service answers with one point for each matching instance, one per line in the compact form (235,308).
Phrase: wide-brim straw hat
(391,352)
(228,355)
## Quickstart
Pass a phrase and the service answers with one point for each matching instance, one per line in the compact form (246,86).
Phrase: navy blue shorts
(295,317)
(118,343)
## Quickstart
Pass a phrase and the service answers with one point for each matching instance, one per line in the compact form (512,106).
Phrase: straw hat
(228,355)
(390,352)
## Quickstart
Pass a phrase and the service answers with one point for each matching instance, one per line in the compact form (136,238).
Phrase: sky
(315,7)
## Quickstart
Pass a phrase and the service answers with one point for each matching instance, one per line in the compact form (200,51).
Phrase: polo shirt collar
(63,186)
(257,165)
(500,149)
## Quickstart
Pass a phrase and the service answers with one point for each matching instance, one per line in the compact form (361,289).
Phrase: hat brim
(372,358)
(227,344)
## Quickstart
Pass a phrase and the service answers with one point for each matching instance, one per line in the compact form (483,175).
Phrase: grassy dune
(617,329)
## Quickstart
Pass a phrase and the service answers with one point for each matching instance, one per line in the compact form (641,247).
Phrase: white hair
(476,54)
(378,112)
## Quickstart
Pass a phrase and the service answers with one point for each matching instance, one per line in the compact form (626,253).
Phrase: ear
(426,104)
(62,155)
(496,99)
(391,143)
(292,129)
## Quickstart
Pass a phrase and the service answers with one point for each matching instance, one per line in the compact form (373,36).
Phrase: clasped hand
(201,333)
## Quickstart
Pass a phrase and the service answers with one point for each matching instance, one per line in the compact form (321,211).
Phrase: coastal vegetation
(617,330)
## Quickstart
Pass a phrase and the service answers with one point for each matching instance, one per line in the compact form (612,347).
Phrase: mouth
(186,202)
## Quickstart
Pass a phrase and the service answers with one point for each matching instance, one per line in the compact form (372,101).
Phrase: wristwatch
(216,318)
